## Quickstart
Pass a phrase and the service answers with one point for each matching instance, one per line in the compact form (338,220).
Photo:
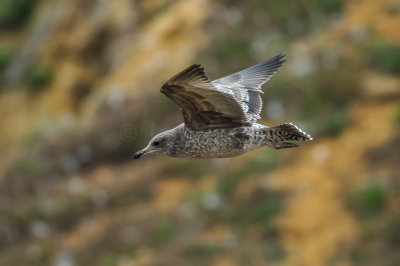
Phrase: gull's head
(158,144)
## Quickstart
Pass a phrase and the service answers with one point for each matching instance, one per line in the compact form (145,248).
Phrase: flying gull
(220,116)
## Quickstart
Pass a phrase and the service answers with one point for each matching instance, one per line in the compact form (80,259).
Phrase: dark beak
(138,154)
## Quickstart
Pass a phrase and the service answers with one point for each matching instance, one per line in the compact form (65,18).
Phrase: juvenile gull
(220,116)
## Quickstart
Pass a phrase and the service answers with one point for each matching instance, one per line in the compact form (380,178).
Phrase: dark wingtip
(280,58)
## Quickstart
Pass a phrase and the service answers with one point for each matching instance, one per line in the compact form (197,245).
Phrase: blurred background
(79,94)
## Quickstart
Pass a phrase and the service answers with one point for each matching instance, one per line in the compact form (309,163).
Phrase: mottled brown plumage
(203,106)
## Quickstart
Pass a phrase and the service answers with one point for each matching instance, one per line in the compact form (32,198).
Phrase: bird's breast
(216,143)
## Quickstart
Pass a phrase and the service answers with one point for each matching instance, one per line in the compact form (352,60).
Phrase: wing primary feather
(203,106)
(246,84)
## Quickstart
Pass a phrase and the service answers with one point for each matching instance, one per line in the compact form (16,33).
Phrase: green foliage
(5,57)
(191,168)
(229,181)
(359,257)
(31,138)
(335,123)
(233,46)
(24,171)
(327,6)
(108,259)
(24,167)
(322,98)
(277,10)
(266,160)
(383,231)
(277,89)
(273,251)
(384,56)
(260,209)
(126,197)
(297,16)
(199,250)
(326,106)
(397,117)
(164,231)
(69,213)
(391,232)
(369,201)
(61,218)
(265,211)
(39,77)
(14,13)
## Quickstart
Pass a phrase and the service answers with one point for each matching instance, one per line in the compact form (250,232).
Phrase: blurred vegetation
(164,231)
(328,107)
(378,226)
(370,200)
(328,6)
(397,117)
(264,162)
(6,55)
(229,46)
(297,17)
(15,13)
(38,77)
(384,56)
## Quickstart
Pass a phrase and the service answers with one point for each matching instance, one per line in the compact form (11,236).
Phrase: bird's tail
(280,136)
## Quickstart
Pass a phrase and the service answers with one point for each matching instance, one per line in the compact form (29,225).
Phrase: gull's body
(220,116)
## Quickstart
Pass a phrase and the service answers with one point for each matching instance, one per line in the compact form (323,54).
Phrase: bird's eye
(156,143)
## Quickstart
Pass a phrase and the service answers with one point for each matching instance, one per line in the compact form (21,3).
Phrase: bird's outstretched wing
(246,85)
(203,106)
